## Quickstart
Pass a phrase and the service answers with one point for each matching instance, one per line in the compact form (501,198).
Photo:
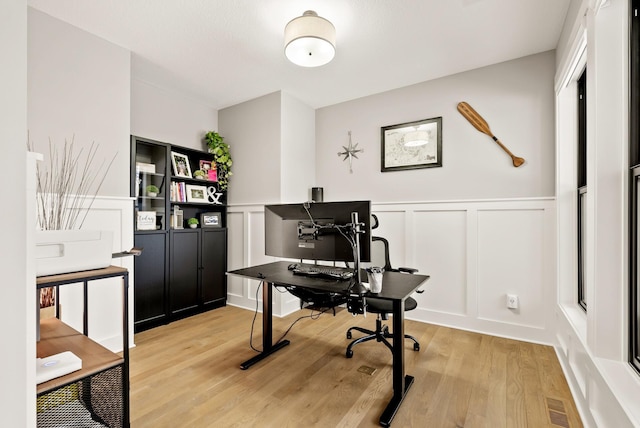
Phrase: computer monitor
(317,230)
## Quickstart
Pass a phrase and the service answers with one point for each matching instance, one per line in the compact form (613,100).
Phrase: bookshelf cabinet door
(214,266)
(184,270)
(150,275)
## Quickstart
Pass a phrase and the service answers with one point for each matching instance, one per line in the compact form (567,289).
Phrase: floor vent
(367,370)
(557,413)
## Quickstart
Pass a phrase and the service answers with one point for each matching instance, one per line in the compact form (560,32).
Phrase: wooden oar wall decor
(481,125)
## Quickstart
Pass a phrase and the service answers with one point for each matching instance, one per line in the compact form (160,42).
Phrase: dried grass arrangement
(68,185)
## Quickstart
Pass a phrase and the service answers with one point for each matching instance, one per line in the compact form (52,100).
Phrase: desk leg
(401,382)
(268,347)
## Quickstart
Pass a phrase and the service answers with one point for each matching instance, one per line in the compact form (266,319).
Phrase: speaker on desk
(316,194)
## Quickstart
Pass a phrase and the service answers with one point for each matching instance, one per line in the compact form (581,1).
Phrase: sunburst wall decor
(350,152)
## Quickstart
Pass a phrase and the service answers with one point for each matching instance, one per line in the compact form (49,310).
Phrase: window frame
(634,184)
(581,102)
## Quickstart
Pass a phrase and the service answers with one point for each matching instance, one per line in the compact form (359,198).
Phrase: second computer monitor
(317,230)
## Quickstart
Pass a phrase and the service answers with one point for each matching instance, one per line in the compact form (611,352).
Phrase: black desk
(395,287)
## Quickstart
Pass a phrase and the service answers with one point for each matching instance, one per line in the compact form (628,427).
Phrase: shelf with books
(192,180)
(197,192)
(187,189)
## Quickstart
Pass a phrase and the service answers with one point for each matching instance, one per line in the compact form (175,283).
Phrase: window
(582,187)
(634,186)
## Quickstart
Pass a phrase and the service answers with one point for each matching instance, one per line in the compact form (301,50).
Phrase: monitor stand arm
(356,231)
(356,304)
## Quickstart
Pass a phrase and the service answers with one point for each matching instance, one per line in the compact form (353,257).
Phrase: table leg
(268,347)
(85,313)
(57,298)
(401,382)
(125,350)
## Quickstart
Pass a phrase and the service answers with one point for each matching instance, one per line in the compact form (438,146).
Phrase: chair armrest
(412,271)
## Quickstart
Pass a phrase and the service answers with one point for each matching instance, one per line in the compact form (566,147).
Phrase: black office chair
(379,255)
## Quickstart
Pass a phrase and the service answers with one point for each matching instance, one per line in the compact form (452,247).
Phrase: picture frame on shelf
(146,220)
(181,167)
(209,168)
(211,219)
(196,193)
(149,168)
(412,145)
(177,218)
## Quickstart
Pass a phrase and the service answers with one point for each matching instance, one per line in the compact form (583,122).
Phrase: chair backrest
(379,248)
(380,253)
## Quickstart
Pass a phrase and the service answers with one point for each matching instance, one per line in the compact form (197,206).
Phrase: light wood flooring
(187,374)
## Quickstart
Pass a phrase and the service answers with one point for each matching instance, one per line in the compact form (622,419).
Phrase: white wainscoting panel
(440,250)
(105,296)
(393,222)
(236,245)
(256,238)
(510,262)
(475,252)
(246,248)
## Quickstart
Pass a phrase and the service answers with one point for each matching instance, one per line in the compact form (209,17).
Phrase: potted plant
(152,190)
(193,222)
(199,174)
(221,156)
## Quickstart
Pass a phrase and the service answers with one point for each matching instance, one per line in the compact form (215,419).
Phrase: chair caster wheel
(416,346)
(348,335)
(349,353)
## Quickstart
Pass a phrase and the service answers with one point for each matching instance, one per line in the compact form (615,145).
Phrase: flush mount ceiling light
(309,40)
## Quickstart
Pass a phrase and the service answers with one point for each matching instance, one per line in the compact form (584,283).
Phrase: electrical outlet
(512,301)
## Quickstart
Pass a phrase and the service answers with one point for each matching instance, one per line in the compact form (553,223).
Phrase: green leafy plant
(193,220)
(152,189)
(199,174)
(221,156)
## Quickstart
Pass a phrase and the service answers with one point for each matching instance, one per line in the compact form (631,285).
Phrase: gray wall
(253,131)
(272,142)
(516,98)
(86,88)
(298,150)
(166,115)
(79,88)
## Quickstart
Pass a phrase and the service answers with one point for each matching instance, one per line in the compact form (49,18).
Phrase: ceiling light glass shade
(309,40)
(416,138)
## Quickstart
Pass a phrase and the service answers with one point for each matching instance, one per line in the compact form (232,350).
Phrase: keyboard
(327,272)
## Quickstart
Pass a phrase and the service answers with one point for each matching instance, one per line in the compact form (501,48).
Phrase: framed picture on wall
(211,219)
(412,145)
(180,164)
